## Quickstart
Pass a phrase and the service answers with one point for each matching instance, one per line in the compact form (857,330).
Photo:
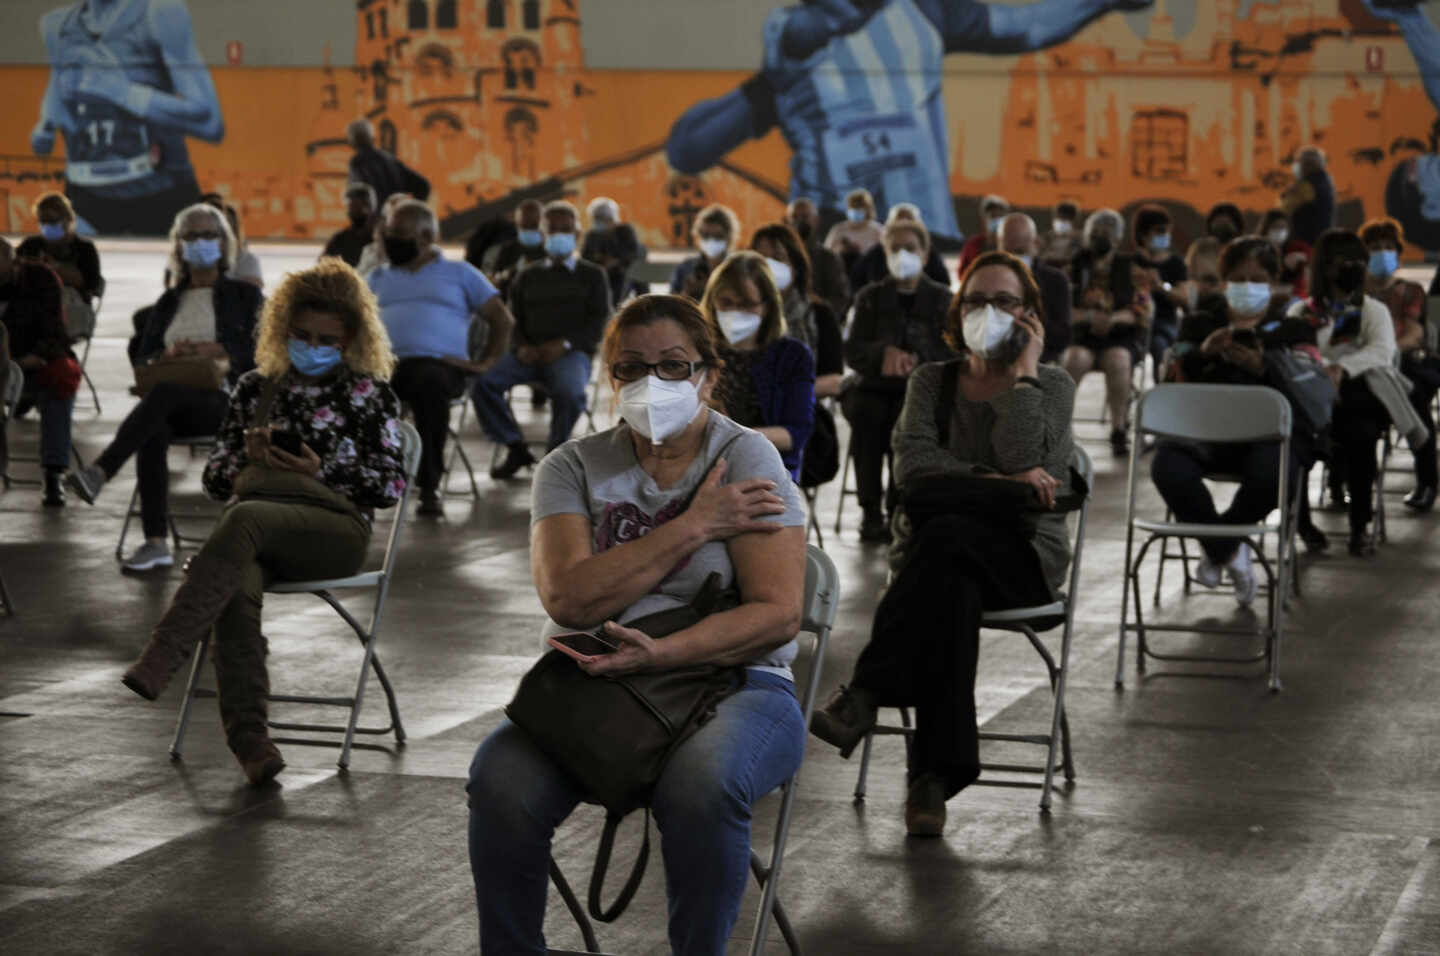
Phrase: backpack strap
(945,403)
(602,861)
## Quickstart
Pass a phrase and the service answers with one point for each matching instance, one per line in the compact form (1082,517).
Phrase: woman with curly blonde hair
(309,447)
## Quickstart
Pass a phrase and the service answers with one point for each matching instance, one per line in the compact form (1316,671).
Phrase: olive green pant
(267,541)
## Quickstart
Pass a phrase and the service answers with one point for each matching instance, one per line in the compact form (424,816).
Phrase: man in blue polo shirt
(427,303)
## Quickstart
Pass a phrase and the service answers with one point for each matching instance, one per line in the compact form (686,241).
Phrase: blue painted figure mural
(1412,194)
(127,85)
(855,87)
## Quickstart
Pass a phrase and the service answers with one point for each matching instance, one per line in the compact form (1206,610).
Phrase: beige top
(863,235)
(194,318)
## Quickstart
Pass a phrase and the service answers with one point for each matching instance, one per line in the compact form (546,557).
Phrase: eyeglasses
(192,236)
(1005,302)
(310,338)
(669,370)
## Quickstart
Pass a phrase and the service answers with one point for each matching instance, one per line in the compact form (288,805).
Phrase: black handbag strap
(602,861)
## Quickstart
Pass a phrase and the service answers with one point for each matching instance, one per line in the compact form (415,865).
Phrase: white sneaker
(1207,572)
(149,556)
(1242,575)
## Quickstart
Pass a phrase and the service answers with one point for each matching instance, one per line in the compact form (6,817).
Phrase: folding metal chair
(1213,414)
(812,524)
(1024,620)
(457,450)
(85,352)
(822,604)
(376,581)
(194,444)
(14,385)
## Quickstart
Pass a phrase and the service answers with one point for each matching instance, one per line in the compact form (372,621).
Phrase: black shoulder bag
(931,495)
(616,734)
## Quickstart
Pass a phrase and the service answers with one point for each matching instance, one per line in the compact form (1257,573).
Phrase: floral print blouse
(350,420)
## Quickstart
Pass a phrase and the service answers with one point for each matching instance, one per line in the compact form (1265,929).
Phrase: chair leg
(864,768)
(844,477)
(183,721)
(130,513)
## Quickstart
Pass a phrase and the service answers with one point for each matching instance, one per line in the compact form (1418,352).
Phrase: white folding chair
(1212,414)
(194,444)
(822,604)
(1023,620)
(376,581)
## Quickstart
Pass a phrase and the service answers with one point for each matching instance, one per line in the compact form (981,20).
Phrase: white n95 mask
(737,325)
(659,409)
(782,272)
(713,248)
(986,328)
(904,264)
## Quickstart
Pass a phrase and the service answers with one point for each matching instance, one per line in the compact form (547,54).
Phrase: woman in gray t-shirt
(624,523)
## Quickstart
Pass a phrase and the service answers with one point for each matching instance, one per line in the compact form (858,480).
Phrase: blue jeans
(54,426)
(565,379)
(702,804)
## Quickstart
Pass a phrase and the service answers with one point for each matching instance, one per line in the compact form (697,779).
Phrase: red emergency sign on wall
(235,52)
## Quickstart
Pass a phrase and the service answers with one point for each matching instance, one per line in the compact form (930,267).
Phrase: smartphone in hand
(584,646)
(285,440)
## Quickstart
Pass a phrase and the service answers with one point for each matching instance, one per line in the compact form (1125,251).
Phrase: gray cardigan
(1010,433)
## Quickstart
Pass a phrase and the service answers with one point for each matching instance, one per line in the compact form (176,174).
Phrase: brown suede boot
(242,688)
(209,585)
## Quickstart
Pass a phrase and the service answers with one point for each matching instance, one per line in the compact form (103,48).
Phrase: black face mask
(1223,232)
(359,220)
(1350,276)
(401,251)
(1101,245)
(803,230)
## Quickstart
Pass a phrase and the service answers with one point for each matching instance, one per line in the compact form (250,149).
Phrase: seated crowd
(725,390)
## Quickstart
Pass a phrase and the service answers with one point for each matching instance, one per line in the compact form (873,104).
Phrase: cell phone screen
(286,441)
(590,645)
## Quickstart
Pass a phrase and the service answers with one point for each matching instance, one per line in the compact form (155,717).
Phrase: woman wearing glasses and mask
(767,379)
(624,523)
(1006,418)
(204,314)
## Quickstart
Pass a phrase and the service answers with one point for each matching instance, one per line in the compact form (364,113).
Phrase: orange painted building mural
(1189,102)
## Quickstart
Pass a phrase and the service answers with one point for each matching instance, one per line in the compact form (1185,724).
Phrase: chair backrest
(14,385)
(410,454)
(1081,462)
(1215,413)
(1432,323)
(822,591)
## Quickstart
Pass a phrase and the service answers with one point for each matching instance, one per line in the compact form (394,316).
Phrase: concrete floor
(1209,816)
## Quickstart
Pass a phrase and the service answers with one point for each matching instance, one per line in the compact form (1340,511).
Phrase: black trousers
(428,386)
(1424,371)
(872,416)
(1358,423)
(925,643)
(166,412)
(1178,471)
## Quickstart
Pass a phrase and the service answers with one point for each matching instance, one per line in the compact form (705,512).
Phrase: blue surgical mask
(530,238)
(313,360)
(1160,242)
(200,252)
(1247,298)
(560,244)
(857,215)
(52,231)
(1384,262)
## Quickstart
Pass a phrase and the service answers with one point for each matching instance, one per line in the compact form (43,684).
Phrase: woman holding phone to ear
(624,523)
(322,359)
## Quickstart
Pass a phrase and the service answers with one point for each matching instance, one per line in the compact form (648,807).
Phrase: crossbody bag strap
(945,404)
(602,861)
(267,399)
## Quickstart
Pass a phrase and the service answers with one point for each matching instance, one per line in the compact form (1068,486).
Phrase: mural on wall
(937,102)
(127,85)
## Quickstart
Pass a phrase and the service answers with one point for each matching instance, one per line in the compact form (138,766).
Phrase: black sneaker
(1422,499)
(1120,441)
(54,489)
(845,719)
(925,806)
(1361,544)
(429,505)
(873,527)
(1314,538)
(516,458)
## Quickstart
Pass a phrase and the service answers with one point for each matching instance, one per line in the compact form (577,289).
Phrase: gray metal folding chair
(376,581)
(14,385)
(194,444)
(457,450)
(1023,620)
(822,604)
(1213,414)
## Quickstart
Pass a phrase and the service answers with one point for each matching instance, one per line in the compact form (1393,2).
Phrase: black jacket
(386,175)
(879,322)
(237,311)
